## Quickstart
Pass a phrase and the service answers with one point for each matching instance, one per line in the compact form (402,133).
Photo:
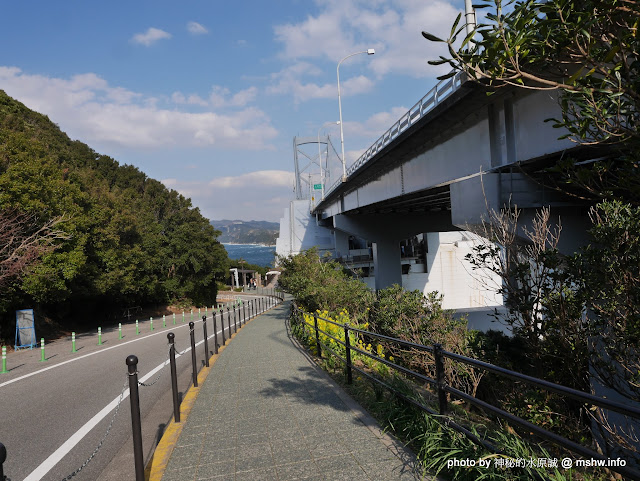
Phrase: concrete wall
(450,274)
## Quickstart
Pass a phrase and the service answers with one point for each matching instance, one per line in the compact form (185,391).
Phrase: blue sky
(207,95)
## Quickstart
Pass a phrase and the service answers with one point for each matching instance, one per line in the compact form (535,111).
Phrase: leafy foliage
(321,284)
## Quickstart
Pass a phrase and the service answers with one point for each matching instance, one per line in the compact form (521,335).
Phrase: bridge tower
(313,161)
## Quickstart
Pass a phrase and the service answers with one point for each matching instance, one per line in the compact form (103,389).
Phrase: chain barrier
(113,418)
(165,364)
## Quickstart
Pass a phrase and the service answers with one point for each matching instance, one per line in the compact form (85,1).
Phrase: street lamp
(320,155)
(344,162)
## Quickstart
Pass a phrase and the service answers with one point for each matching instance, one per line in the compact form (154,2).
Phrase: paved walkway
(266,412)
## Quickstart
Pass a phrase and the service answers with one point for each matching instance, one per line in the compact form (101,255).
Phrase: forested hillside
(123,239)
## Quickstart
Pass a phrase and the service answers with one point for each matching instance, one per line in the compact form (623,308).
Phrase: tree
(23,241)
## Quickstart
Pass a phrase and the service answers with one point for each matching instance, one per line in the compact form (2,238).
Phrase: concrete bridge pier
(386,231)
(341,243)
(386,262)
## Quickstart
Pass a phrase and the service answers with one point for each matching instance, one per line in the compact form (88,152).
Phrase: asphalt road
(46,405)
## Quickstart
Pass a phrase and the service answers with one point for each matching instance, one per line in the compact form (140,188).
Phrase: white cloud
(273,178)
(87,108)
(195,28)
(257,195)
(288,81)
(193,99)
(221,97)
(151,36)
(393,28)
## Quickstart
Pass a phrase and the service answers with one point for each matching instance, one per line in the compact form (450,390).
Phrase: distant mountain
(247,231)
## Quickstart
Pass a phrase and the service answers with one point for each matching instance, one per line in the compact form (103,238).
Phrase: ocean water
(252,253)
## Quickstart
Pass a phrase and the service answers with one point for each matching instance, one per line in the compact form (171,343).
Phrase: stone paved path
(267,412)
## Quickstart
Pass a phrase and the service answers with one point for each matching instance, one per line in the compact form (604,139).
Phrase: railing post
(347,345)
(315,323)
(194,363)
(136,426)
(224,340)
(215,333)
(442,395)
(235,320)
(229,321)
(206,341)
(174,376)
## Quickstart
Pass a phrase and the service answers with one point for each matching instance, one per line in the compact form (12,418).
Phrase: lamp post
(344,162)
(470,16)
(320,155)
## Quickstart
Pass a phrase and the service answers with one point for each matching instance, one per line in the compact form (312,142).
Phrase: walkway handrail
(442,387)
(426,104)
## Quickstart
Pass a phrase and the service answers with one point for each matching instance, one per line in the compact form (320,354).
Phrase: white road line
(70,443)
(86,355)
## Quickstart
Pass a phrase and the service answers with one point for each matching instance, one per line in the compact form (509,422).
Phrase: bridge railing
(442,388)
(427,103)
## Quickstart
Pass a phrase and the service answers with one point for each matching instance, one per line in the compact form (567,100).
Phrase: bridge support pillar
(341,240)
(386,263)
(385,231)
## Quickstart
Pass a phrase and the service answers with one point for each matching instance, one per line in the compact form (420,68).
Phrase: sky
(206,96)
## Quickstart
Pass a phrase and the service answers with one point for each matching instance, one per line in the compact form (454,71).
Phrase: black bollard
(229,321)
(3,458)
(215,334)
(193,354)
(174,376)
(206,341)
(132,362)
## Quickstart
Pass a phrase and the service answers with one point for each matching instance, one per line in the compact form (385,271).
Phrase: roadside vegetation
(83,235)
(319,286)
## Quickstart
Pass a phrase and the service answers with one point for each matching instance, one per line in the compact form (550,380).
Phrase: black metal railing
(442,388)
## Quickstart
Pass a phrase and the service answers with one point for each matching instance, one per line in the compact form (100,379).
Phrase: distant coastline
(242,244)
